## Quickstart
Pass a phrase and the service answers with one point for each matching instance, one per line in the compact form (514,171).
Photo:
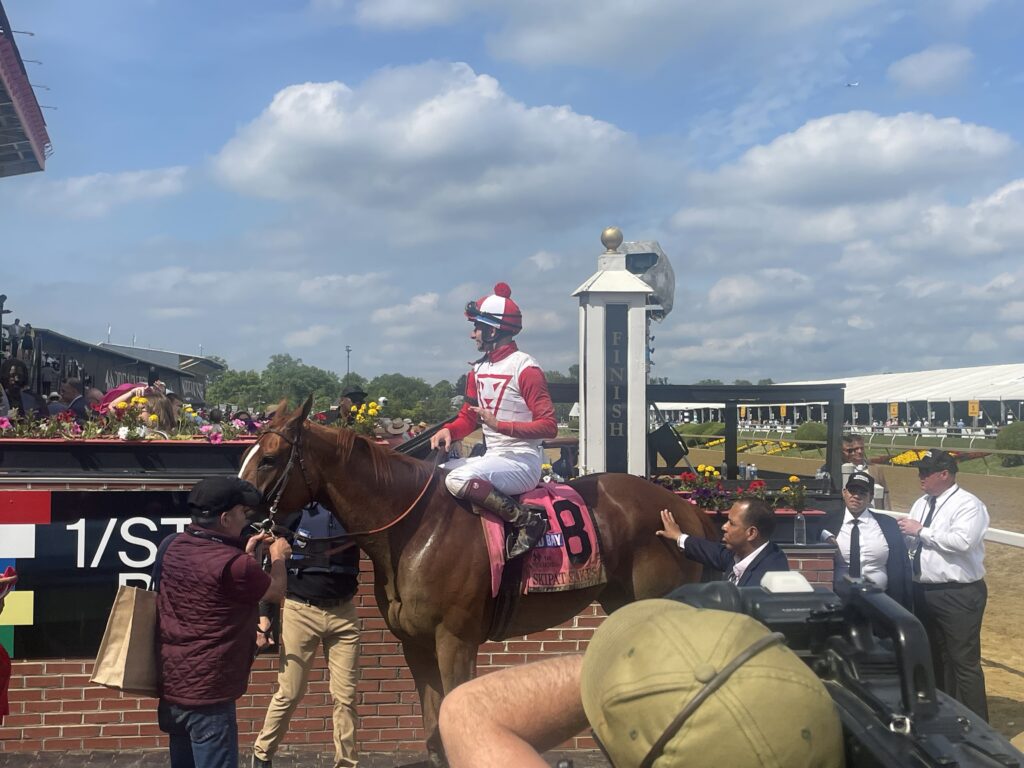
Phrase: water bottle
(799,529)
(826,482)
(752,470)
(743,470)
(724,469)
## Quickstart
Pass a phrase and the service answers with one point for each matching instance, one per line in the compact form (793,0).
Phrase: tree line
(288,378)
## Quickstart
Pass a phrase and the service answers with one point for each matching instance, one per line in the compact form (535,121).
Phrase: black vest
(317,522)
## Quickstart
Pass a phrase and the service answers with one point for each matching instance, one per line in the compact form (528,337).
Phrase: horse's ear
(278,417)
(307,407)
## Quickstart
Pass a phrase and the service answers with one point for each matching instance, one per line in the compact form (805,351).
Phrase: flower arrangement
(363,419)
(757,489)
(705,488)
(793,495)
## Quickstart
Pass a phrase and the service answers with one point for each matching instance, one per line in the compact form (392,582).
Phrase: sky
(838,185)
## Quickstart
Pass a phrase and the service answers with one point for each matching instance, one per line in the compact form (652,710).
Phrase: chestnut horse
(431,574)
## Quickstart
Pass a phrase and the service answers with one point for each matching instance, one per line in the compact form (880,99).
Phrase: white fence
(996,535)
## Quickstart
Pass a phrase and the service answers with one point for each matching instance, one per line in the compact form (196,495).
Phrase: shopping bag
(127,658)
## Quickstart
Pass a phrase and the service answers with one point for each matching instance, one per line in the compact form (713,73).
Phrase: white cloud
(431,150)
(332,289)
(544,261)
(937,66)
(99,193)
(856,157)
(308,337)
(172,313)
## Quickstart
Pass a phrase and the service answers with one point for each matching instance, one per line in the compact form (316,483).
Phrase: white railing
(995,535)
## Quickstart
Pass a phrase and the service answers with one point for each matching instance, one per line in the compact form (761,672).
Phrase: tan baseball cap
(651,658)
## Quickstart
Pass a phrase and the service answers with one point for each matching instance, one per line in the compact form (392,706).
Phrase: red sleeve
(465,421)
(534,387)
(245,580)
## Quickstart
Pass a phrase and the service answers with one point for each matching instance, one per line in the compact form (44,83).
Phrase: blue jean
(201,737)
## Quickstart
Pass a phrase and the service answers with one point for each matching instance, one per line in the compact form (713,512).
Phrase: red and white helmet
(497,310)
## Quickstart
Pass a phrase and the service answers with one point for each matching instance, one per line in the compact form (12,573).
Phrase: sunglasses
(658,747)
(923,473)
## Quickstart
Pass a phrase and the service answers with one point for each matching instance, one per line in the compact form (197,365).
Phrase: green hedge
(1011,438)
(811,430)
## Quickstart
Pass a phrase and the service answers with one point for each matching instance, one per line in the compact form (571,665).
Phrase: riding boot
(530,522)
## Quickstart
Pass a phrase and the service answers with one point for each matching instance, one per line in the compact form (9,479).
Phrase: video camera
(873,657)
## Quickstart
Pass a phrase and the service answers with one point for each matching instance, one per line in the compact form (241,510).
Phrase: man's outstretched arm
(508,718)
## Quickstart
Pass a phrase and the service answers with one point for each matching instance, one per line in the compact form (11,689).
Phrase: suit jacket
(716,555)
(898,569)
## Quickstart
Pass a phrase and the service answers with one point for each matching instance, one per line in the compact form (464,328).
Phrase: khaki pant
(303,628)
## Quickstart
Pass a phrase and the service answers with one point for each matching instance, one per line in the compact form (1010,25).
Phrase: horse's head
(275,464)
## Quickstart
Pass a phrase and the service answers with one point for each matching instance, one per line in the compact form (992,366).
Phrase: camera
(874,659)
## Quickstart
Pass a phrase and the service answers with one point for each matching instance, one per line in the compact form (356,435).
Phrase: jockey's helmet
(497,311)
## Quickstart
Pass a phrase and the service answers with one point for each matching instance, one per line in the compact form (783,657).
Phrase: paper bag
(127,658)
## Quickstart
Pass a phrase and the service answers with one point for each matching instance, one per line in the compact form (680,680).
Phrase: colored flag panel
(25,507)
(18,609)
(17,541)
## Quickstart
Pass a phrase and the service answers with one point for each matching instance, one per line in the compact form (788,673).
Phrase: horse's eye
(267,461)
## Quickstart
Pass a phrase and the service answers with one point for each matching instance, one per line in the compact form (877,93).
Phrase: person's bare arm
(280,551)
(508,718)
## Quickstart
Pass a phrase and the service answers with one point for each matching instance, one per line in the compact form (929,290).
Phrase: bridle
(277,491)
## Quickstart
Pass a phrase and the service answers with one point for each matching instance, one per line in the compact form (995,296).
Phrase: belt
(318,602)
(948,585)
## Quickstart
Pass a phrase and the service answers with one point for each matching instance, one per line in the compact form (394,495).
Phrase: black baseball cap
(936,461)
(861,480)
(214,495)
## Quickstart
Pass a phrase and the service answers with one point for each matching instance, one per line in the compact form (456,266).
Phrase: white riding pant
(510,473)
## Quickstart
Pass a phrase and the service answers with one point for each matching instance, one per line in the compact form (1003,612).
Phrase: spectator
(160,405)
(352,396)
(14,377)
(870,546)
(746,553)
(946,529)
(71,395)
(318,610)
(28,343)
(54,405)
(93,398)
(17,331)
(125,392)
(398,432)
(207,604)
(648,663)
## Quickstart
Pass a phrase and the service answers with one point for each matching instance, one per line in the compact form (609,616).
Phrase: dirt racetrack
(1002,646)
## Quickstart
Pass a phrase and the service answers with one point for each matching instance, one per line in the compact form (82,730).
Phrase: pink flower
(206,429)
(5,423)
(216,438)
(238,424)
(76,430)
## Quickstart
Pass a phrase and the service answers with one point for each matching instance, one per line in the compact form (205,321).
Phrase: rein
(268,525)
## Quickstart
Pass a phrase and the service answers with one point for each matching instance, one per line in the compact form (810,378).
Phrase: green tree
(1011,438)
(239,388)
(353,379)
(407,396)
(710,383)
(288,377)
(742,383)
(765,382)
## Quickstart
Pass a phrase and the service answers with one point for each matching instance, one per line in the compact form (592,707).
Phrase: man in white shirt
(946,530)
(870,546)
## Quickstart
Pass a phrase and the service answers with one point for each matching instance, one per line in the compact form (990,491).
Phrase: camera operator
(746,553)
(946,529)
(660,682)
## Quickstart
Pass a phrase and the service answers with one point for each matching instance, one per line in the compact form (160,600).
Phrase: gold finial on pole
(611,239)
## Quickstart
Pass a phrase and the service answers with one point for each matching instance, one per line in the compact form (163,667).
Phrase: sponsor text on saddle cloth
(567,558)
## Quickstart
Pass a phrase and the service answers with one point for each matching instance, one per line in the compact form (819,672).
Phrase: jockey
(506,394)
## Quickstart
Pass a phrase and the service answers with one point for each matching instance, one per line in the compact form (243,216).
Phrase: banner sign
(973,408)
(72,550)
(894,410)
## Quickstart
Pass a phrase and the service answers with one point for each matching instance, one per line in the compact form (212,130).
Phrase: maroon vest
(207,627)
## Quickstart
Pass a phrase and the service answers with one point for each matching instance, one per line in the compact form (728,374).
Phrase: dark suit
(716,555)
(897,565)
(80,408)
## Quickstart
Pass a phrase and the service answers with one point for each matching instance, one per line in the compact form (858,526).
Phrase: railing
(995,535)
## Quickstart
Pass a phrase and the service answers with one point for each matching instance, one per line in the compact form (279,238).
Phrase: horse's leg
(422,661)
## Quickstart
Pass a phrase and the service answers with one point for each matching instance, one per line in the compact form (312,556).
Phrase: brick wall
(53,706)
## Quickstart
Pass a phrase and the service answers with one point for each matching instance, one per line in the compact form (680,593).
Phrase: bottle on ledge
(799,529)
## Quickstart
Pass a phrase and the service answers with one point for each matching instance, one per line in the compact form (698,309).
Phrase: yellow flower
(153,417)
(700,467)
(122,405)
(545,467)
(794,479)
(717,473)
(786,489)
(353,409)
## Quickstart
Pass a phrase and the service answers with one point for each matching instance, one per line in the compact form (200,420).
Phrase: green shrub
(811,430)
(1011,438)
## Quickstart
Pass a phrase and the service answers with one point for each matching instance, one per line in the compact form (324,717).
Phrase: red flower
(688,477)
(321,416)
(756,485)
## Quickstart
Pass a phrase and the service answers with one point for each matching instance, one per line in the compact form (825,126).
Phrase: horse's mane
(383,460)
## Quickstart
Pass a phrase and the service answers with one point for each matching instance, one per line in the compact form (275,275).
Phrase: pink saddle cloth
(568,557)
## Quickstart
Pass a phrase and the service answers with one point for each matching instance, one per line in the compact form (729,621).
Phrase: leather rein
(269,526)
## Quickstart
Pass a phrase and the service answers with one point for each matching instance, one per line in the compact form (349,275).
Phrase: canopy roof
(24,143)
(984,382)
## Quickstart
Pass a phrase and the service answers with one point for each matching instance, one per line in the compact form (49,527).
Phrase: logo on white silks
(490,389)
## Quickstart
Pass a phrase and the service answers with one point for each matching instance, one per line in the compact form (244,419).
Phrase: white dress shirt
(953,544)
(874,549)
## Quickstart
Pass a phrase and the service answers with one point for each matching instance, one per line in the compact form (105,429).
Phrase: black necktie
(732,578)
(927,522)
(855,550)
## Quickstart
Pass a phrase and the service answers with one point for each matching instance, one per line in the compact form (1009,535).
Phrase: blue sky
(297,176)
